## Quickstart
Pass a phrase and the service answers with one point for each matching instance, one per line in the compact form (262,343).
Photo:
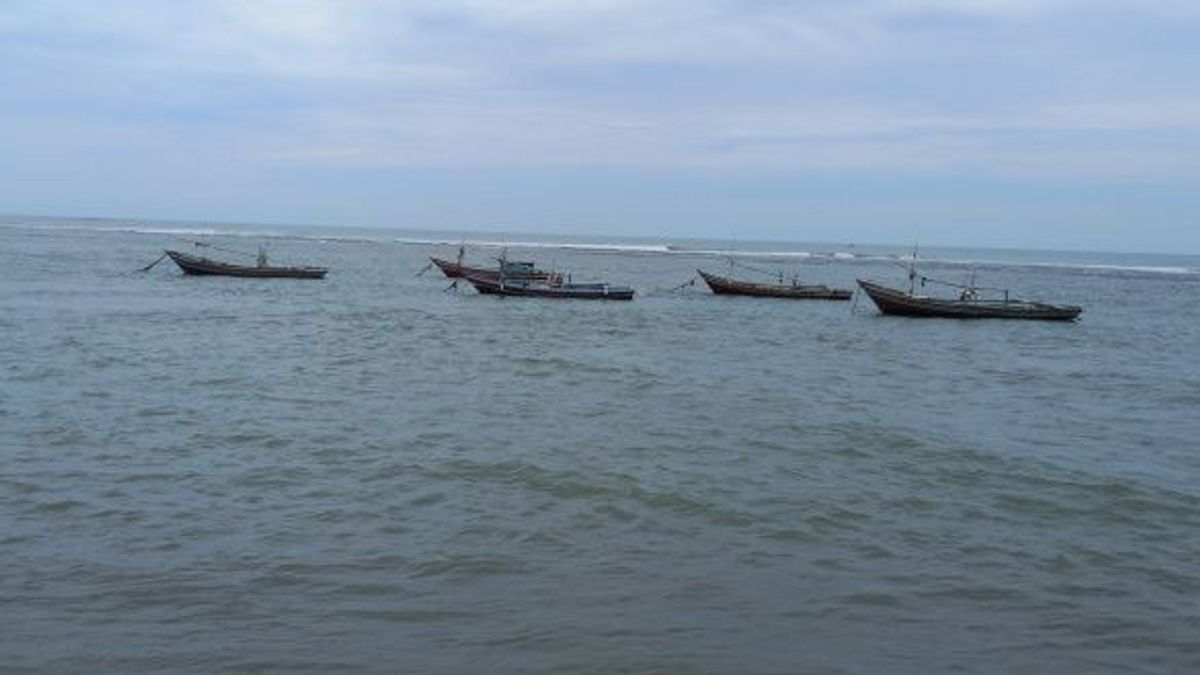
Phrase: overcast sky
(1027,123)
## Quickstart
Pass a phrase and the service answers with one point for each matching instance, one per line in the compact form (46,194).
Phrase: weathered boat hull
(725,286)
(454,270)
(898,303)
(199,266)
(527,289)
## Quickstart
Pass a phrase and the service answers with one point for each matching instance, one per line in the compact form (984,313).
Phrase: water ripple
(369,474)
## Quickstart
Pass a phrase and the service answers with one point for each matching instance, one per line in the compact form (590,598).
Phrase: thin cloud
(914,84)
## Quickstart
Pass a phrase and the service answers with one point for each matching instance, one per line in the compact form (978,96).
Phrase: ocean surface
(377,473)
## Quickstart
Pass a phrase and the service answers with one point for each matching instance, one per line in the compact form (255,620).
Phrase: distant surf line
(136,227)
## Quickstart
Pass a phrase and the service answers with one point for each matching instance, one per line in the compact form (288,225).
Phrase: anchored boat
(509,269)
(538,289)
(197,265)
(969,305)
(795,290)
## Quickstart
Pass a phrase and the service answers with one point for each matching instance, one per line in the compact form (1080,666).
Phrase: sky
(1068,124)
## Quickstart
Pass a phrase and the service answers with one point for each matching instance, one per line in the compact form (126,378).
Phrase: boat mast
(912,271)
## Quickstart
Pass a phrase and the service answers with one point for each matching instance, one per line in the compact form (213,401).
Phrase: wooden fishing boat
(537,289)
(192,264)
(969,305)
(796,291)
(511,270)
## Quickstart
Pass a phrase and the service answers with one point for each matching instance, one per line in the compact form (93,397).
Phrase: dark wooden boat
(512,270)
(538,289)
(967,306)
(796,291)
(192,264)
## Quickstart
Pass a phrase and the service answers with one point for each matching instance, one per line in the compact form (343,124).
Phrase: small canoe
(726,286)
(535,289)
(192,264)
(901,303)
(512,270)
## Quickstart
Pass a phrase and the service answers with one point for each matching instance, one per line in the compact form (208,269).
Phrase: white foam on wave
(136,228)
(1060,265)
(191,231)
(1141,269)
(861,257)
(712,252)
(614,247)
(574,246)
(785,255)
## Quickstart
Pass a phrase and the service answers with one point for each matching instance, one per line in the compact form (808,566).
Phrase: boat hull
(528,289)
(198,266)
(898,303)
(725,286)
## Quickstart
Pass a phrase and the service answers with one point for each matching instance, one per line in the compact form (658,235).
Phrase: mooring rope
(680,287)
(147,268)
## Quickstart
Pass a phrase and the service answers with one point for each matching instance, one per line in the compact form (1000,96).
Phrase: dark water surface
(370,475)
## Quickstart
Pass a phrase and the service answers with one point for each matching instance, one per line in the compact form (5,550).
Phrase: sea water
(380,473)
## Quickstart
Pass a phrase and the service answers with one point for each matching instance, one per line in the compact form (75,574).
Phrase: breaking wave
(613,247)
